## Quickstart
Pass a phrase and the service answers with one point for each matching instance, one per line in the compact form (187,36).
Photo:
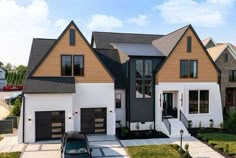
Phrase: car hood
(76,156)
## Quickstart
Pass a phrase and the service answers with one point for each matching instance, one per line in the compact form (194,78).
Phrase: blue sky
(22,20)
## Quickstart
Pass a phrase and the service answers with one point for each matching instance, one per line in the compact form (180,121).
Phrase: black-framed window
(72,37)
(225,57)
(232,75)
(66,65)
(193,68)
(78,65)
(118,100)
(198,101)
(184,68)
(189,44)
(144,78)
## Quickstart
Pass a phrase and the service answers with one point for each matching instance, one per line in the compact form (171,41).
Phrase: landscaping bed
(10,155)
(124,134)
(154,151)
(224,143)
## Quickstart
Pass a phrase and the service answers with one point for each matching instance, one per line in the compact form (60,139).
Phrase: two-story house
(224,55)
(2,77)
(140,81)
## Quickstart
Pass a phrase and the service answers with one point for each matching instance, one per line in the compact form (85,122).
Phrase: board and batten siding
(170,71)
(94,71)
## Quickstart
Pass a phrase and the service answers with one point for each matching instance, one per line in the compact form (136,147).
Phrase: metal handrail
(183,119)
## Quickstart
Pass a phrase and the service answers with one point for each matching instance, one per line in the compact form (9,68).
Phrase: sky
(23,20)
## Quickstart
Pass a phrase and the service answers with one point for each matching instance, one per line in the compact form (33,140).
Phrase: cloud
(208,13)
(140,20)
(104,22)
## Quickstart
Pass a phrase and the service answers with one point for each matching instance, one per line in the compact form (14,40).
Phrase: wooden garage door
(50,125)
(93,120)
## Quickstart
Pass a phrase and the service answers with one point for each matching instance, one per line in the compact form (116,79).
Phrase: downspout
(23,115)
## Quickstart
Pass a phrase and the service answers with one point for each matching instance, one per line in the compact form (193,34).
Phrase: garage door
(50,125)
(93,120)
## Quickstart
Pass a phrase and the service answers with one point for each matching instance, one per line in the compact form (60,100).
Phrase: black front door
(167,104)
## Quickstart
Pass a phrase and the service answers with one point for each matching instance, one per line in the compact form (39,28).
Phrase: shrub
(226,149)
(17,107)
(230,123)
(221,125)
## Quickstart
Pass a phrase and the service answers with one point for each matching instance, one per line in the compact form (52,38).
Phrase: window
(72,37)
(144,78)
(66,65)
(184,68)
(225,58)
(118,100)
(189,44)
(78,65)
(232,76)
(193,68)
(198,101)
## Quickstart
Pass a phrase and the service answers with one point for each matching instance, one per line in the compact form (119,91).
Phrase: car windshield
(76,147)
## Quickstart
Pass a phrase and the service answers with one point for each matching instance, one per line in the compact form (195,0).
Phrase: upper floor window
(198,101)
(66,65)
(78,65)
(189,44)
(72,37)
(144,78)
(225,58)
(188,68)
(118,100)
(232,75)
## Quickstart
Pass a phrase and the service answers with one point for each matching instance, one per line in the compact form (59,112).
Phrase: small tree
(230,123)
(17,107)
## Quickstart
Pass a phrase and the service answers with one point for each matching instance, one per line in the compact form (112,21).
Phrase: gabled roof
(49,85)
(103,40)
(207,40)
(137,49)
(168,42)
(216,51)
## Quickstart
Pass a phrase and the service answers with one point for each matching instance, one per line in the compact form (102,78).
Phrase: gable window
(66,65)
(193,68)
(72,37)
(232,76)
(118,100)
(78,65)
(144,78)
(184,68)
(198,101)
(225,58)
(189,44)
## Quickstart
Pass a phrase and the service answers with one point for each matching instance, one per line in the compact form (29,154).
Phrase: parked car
(11,99)
(74,144)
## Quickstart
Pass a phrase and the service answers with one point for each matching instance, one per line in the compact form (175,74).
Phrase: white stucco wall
(215,105)
(121,112)
(47,102)
(95,95)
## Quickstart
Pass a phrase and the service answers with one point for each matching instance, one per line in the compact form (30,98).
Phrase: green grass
(10,155)
(153,151)
(220,140)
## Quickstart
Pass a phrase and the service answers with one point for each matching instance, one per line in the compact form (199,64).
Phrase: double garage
(51,124)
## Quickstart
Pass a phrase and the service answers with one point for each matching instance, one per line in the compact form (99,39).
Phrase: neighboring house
(137,81)
(224,55)
(3,81)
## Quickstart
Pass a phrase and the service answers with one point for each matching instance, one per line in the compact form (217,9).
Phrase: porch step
(176,126)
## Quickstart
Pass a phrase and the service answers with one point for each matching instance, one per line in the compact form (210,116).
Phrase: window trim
(189,47)
(74,65)
(71,65)
(187,68)
(70,41)
(199,90)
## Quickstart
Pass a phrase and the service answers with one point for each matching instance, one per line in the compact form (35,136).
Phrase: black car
(75,145)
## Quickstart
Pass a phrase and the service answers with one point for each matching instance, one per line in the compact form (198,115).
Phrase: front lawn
(154,151)
(223,141)
(10,155)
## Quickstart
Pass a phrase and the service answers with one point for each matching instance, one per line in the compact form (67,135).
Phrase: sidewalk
(4,111)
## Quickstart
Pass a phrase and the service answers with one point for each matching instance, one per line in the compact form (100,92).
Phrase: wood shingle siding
(94,70)
(170,71)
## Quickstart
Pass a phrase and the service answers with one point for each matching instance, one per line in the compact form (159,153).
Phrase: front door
(167,104)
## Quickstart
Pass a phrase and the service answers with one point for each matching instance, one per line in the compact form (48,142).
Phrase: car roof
(75,135)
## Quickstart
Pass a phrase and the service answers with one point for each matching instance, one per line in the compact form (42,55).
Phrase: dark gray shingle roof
(103,39)
(49,85)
